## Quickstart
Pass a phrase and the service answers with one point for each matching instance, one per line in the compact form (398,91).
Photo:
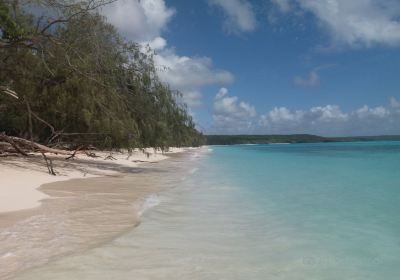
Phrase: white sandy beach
(40,222)
(21,177)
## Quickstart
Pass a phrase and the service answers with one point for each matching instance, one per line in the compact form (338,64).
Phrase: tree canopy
(68,76)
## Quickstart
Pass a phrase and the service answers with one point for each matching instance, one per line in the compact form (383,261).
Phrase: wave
(147,203)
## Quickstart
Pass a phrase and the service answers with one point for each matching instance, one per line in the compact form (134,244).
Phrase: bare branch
(91,6)
(9,92)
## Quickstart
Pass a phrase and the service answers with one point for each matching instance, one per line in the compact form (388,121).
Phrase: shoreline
(81,213)
(22,177)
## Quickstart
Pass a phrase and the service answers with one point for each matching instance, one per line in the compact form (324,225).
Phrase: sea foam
(147,203)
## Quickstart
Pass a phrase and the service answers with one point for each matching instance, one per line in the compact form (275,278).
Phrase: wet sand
(21,176)
(81,214)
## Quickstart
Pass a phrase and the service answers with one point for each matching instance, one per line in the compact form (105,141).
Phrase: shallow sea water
(301,211)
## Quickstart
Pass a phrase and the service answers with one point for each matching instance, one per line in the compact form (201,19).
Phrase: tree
(67,85)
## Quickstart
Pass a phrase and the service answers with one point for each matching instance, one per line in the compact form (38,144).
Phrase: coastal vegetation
(291,139)
(263,139)
(68,79)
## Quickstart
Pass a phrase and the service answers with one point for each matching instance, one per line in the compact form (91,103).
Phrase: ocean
(299,211)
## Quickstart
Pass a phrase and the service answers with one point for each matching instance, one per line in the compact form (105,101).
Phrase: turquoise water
(301,211)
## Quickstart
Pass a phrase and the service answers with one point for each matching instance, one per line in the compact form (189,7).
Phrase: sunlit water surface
(303,211)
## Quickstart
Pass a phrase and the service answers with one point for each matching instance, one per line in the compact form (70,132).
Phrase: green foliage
(13,28)
(87,82)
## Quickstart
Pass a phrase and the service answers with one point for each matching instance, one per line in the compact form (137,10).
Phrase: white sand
(20,177)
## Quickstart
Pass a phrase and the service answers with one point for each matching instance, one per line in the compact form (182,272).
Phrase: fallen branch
(110,157)
(9,140)
(5,155)
(41,148)
(74,153)
(91,154)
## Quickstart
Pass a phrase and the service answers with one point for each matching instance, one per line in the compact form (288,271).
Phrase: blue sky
(326,67)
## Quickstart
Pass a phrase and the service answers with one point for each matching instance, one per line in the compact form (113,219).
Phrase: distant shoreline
(291,139)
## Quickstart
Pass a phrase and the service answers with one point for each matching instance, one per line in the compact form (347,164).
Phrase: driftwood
(110,157)
(33,145)
(91,154)
(23,147)
(7,150)
(11,145)
(74,153)
(9,140)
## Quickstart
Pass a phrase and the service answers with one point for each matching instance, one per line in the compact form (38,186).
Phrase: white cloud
(230,106)
(190,74)
(377,112)
(330,120)
(192,98)
(231,115)
(157,43)
(311,81)
(354,23)
(240,16)
(143,22)
(140,21)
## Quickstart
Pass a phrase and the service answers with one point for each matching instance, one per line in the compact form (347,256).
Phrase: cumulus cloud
(231,115)
(355,23)
(140,21)
(330,120)
(239,15)
(143,22)
(157,43)
(190,74)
